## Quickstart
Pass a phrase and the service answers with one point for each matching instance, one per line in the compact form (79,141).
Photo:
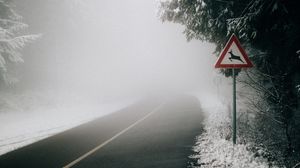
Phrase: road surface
(150,134)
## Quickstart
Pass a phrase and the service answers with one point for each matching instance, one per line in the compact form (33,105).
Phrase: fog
(100,57)
(111,49)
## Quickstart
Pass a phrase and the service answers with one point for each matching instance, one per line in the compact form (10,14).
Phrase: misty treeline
(27,29)
(270,32)
(13,38)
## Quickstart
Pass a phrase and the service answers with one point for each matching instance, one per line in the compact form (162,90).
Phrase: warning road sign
(233,55)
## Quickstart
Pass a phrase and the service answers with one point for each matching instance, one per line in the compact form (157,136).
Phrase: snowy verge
(23,122)
(214,147)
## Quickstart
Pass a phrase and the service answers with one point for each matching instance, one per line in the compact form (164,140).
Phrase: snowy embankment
(30,117)
(214,147)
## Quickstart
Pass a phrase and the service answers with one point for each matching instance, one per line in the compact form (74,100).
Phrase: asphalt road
(155,133)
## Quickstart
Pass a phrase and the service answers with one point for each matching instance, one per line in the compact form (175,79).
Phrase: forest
(270,32)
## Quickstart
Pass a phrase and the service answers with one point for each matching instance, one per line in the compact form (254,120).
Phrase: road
(155,133)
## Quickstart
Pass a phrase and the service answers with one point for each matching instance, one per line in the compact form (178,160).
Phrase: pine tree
(12,40)
(270,30)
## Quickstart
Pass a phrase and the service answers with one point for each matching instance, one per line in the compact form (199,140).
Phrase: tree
(12,40)
(270,30)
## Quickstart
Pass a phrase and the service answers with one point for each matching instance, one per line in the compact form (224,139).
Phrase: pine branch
(19,41)
(5,21)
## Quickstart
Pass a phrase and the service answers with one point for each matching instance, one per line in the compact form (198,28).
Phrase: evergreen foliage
(12,40)
(270,30)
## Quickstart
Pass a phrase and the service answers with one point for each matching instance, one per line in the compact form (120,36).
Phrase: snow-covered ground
(214,147)
(30,117)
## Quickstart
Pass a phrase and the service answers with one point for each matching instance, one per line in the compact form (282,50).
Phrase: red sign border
(232,39)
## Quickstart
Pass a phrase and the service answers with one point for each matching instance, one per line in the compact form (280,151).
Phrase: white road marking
(112,138)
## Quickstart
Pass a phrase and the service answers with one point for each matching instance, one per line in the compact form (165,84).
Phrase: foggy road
(152,133)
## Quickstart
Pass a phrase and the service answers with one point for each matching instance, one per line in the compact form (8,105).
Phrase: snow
(27,118)
(214,147)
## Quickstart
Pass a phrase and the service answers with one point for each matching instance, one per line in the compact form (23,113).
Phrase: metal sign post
(233,56)
(233,107)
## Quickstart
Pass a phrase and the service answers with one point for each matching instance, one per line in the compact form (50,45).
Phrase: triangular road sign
(233,55)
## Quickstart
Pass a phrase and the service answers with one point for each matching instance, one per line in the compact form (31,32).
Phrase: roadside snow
(23,122)
(213,150)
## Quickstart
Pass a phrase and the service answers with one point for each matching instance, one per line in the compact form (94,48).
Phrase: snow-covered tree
(270,30)
(12,40)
